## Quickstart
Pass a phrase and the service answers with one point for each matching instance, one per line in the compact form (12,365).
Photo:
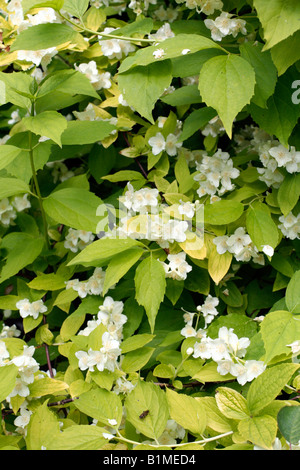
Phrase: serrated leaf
(279,329)
(187,411)
(49,124)
(231,403)
(226,83)
(279,19)
(100,404)
(147,397)
(150,283)
(267,386)
(142,86)
(43,36)
(261,227)
(74,207)
(260,430)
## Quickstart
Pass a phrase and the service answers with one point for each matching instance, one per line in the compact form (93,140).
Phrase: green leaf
(74,207)
(222,212)
(185,95)
(281,114)
(49,124)
(261,227)
(47,386)
(289,193)
(8,375)
(172,48)
(231,403)
(49,282)
(79,437)
(286,53)
(147,397)
(293,294)
(226,83)
(218,265)
(15,82)
(279,19)
(142,86)
(104,249)
(260,430)
(76,7)
(22,249)
(86,132)
(196,120)
(265,71)
(100,404)
(187,411)
(288,420)
(43,36)
(279,329)
(119,266)
(71,82)
(150,286)
(42,428)
(8,154)
(135,342)
(70,326)
(268,385)
(134,361)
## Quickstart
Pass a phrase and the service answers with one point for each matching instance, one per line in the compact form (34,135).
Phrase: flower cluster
(227,351)
(177,268)
(240,245)
(93,286)
(114,48)
(31,309)
(110,315)
(27,367)
(214,174)
(142,200)
(98,80)
(290,226)
(9,207)
(78,239)
(225,25)
(203,6)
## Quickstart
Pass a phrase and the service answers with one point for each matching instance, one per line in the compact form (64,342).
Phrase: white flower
(187,208)
(249,371)
(157,143)
(85,360)
(98,80)
(268,250)
(295,347)
(39,57)
(159,53)
(77,240)
(114,48)
(281,155)
(164,32)
(188,331)
(23,419)
(208,309)
(33,309)
(4,354)
(21,202)
(172,145)
(177,268)
(25,360)
(238,241)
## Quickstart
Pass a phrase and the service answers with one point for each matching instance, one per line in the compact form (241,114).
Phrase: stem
(36,184)
(202,441)
(107,35)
